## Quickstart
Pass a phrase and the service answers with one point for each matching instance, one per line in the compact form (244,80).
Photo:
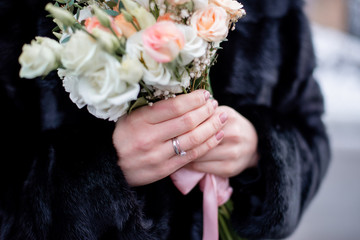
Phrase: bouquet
(116,55)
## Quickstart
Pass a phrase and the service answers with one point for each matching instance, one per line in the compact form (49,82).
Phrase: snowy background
(335,211)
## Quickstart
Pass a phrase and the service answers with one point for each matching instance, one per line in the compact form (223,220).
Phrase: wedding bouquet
(116,55)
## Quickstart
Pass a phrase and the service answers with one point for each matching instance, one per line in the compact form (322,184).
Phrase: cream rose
(82,53)
(163,41)
(211,23)
(106,94)
(40,57)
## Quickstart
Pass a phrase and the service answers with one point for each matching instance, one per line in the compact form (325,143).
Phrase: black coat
(58,173)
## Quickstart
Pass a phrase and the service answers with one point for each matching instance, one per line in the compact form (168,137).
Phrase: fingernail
(207,95)
(219,135)
(215,104)
(223,117)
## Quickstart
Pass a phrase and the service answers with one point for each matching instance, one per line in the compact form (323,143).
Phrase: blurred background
(335,212)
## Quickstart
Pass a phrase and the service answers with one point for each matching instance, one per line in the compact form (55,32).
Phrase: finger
(221,152)
(219,168)
(187,122)
(175,107)
(176,162)
(208,129)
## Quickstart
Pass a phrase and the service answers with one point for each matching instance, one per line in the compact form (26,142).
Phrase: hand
(143,139)
(236,152)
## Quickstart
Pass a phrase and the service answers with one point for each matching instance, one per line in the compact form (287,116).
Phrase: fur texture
(58,173)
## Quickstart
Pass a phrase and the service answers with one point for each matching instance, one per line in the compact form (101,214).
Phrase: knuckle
(143,144)
(216,124)
(209,109)
(189,121)
(193,154)
(195,139)
(175,107)
(199,99)
(210,144)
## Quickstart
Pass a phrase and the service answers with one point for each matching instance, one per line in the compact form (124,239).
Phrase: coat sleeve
(59,177)
(267,68)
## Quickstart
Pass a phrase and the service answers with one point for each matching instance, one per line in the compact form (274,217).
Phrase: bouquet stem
(226,232)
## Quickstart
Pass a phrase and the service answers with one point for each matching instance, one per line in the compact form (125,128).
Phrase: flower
(154,72)
(102,17)
(126,27)
(211,23)
(163,41)
(93,23)
(61,14)
(131,70)
(40,57)
(194,47)
(143,17)
(177,2)
(103,90)
(82,54)
(232,7)
(106,39)
(200,4)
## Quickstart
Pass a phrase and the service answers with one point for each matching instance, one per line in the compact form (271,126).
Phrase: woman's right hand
(143,139)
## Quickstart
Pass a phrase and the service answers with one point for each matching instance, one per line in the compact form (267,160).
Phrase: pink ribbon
(216,192)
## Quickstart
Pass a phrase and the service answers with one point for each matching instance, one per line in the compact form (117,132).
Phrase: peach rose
(163,41)
(126,27)
(93,22)
(211,23)
(165,17)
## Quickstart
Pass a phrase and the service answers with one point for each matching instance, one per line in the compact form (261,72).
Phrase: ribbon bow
(216,192)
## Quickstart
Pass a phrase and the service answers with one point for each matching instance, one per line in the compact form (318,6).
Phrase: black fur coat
(58,173)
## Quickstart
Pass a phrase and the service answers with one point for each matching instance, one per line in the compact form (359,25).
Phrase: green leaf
(111,12)
(55,29)
(111,4)
(65,40)
(138,103)
(71,3)
(62,1)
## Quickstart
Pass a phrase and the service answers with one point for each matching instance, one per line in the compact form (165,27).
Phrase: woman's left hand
(236,152)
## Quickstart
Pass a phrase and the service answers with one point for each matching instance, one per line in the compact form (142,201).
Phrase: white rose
(105,93)
(70,83)
(131,70)
(232,7)
(194,47)
(175,86)
(40,57)
(82,53)
(154,72)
